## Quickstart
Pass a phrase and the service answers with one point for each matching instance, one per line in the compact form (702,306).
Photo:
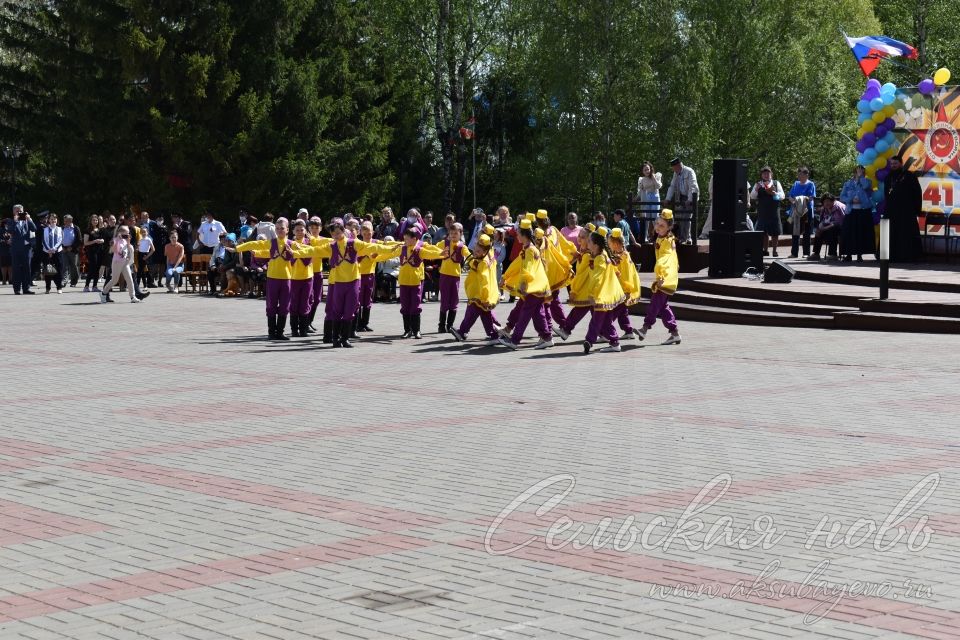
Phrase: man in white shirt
(682,195)
(208,234)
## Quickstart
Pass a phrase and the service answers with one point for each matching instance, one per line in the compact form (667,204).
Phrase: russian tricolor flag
(870,50)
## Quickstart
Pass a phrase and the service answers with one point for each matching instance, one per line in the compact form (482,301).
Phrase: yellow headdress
(526,224)
(666,214)
(617,233)
(530,216)
(483,240)
(603,231)
(538,234)
(489,230)
(590,227)
(542,214)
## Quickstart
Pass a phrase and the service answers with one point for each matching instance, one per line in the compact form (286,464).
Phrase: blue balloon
(861,160)
(890,139)
(876,104)
(863,117)
(878,194)
(863,106)
(888,88)
(869,155)
(881,146)
(888,98)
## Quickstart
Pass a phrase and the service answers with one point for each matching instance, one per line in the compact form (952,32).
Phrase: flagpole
(473,141)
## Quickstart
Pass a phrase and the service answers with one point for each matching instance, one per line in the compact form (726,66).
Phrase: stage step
(869,321)
(732,288)
(872,283)
(703,299)
(700,313)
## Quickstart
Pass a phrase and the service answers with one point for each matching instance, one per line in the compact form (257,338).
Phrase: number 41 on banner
(939,192)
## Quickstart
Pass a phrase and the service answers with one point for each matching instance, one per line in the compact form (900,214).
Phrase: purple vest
(349,256)
(277,252)
(456,258)
(413,258)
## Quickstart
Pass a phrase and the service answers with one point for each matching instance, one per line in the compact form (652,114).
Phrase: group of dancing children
(598,273)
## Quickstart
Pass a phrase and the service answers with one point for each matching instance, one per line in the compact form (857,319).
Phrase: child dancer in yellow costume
(605,292)
(666,275)
(527,278)
(412,253)
(558,255)
(454,253)
(279,272)
(579,301)
(482,292)
(629,279)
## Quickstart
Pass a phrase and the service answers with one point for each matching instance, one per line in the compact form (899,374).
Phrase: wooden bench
(197,275)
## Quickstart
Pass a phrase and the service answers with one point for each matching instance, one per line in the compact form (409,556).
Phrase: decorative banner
(927,138)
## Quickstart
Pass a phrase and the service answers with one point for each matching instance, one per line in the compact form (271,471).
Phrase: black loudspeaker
(730,196)
(732,253)
(778,273)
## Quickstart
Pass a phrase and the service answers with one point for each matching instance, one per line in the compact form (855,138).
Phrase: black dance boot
(310,317)
(365,320)
(442,324)
(415,326)
(406,326)
(327,332)
(354,324)
(451,318)
(281,327)
(295,325)
(271,326)
(346,327)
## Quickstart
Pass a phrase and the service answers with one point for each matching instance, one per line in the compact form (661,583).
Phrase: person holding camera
(22,232)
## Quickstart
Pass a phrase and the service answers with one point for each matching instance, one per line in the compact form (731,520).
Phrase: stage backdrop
(926,130)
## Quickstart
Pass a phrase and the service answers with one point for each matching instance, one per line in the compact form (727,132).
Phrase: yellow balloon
(889,110)
(869,126)
(878,116)
(941,77)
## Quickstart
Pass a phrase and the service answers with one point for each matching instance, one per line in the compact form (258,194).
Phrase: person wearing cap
(604,291)
(579,299)
(481,290)
(558,252)
(629,279)
(527,279)
(412,252)
(343,296)
(454,254)
(666,275)
(683,192)
(282,255)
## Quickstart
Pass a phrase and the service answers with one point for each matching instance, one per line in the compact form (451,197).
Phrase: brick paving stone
(199,494)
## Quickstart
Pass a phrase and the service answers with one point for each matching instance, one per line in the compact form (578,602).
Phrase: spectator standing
(52,248)
(828,231)
(70,257)
(108,228)
(413,219)
(683,194)
(902,194)
(444,231)
(5,275)
(476,228)
(648,192)
(856,236)
(571,232)
(217,257)
(387,226)
(768,194)
(208,235)
(600,220)
(91,246)
(160,236)
(145,249)
(502,218)
(431,229)
(173,255)
(22,231)
(803,187)
(620,222)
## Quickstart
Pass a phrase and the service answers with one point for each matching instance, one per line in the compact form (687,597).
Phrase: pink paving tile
(45,602)
(17,448)
(20,523)
(788,596)
(346,511)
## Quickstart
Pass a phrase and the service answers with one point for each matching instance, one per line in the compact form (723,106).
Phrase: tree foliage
(335,104)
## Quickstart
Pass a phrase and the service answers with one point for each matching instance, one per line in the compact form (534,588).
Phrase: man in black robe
(903,195)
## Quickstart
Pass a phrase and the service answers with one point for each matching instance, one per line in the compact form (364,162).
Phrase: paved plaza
(166,473)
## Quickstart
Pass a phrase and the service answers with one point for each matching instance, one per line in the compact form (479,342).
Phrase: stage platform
(829,295)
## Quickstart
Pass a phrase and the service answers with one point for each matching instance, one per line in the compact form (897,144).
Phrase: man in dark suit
(23,234)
